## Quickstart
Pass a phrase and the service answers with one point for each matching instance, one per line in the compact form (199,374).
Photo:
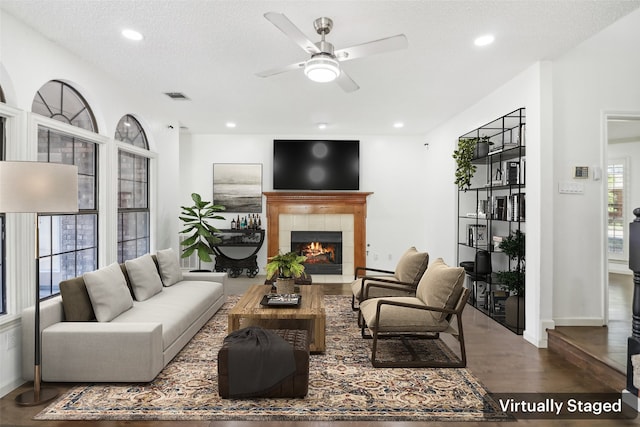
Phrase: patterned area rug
(342,385)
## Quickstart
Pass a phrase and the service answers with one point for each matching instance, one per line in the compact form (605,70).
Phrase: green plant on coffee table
(289,265)
(514,246)
(203,235)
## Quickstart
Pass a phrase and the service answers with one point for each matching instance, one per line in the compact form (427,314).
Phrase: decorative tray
(281,300)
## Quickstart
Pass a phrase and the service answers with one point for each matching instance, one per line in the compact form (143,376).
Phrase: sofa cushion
(400,319)
(441,286)
(411,265)
(169,266)
(176,307)
(144,277)
(75,301)
(108,292)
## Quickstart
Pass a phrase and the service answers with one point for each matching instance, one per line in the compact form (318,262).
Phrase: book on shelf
(516,207)
(477,235)
(496,243)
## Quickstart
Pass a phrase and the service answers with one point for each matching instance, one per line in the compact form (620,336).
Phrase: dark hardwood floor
(502,361)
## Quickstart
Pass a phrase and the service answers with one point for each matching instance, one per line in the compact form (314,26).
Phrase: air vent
(178,96)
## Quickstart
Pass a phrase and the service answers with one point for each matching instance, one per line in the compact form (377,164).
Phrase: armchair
(400,282)
(440,298)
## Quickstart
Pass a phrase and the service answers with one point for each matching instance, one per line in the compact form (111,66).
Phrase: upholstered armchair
(436,308)
(400,282)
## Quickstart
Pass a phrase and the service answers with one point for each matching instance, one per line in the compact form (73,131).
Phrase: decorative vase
(514,311)
(482,149)
(285,286)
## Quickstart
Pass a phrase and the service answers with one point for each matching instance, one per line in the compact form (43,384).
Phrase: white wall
(390,167)
(598,77)
(28,61)
(530,89)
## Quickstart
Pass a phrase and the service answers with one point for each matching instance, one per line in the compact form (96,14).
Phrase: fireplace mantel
(309,203)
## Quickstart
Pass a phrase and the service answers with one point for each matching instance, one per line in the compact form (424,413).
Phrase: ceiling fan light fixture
(322,68)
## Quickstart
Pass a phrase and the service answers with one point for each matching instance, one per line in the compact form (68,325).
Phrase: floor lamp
(35,187)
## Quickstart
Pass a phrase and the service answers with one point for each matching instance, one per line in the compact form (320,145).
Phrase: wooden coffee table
(309,315)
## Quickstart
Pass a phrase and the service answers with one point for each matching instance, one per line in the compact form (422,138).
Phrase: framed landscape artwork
(238,186)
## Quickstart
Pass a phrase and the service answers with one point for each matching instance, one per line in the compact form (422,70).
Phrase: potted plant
(464,166)
(514,279)
(196,220)
(468,150)
(286,267)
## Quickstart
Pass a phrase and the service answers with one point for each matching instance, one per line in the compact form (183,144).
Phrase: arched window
(133,191)
(68,242)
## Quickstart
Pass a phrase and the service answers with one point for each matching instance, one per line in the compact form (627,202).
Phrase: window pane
(45,277)
(126,194)
(86,226)
(128,226)
(141,169)
(616,209)
(60,148)
(142,229)
(44,240)
(129,250)
(87,261)
(86,192)
(140,198)
(85,155)
(59,101)
(143,246)
(130,131)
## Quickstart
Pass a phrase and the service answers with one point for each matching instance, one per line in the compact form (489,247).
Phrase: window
(3,291)
(615,207)
(133,191)
(68,242)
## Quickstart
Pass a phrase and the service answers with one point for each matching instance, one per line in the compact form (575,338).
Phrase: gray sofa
(134,345)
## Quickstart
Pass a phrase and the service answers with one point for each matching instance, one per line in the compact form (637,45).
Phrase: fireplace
(323,250)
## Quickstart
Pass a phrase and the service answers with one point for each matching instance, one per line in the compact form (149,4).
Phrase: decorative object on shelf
(514,279)
(468,150)
(287,267)
(196,220)
(34,187)
(464,166)
(238,186)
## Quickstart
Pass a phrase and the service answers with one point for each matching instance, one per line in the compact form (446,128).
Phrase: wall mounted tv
(316,164)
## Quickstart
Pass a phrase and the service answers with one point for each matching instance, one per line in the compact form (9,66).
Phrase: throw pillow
(411,265)
(169,266)
(75,301)
(440,286)
(144,277)
(108,292)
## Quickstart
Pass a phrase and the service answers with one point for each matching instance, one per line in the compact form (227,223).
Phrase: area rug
(343,386)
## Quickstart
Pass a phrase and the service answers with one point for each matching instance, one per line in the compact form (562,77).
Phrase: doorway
(622,163)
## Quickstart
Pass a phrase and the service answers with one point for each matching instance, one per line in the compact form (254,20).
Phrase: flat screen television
(316,164)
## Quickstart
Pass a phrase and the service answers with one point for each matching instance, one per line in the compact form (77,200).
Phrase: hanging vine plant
(464,167)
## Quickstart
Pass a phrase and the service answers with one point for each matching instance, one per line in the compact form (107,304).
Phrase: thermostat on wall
(581,172)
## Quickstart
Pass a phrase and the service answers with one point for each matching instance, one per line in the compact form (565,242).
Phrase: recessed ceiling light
(398,125)
(230,124)
(322,125)
(132,34)
(484,40)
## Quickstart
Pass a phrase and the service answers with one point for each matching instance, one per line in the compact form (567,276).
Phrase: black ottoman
(295,385)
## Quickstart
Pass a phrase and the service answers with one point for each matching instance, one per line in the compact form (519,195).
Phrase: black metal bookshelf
(493,207)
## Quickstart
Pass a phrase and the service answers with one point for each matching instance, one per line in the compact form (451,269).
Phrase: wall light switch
(568,187)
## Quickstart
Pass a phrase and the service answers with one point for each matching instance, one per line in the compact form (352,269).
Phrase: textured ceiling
(211,49)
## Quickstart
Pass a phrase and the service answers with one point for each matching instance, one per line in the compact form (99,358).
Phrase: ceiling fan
(324,64)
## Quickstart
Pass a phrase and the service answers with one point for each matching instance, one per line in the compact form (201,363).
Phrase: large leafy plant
(286,265)
(203,235)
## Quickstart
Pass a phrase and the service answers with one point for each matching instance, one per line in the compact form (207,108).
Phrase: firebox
(323,250)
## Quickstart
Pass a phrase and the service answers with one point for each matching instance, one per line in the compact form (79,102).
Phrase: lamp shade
(322,68)
(38,187)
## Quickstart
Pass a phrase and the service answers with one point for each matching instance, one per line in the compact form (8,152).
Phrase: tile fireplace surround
(320,211)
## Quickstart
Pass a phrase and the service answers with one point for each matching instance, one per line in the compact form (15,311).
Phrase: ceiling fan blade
(346,82)
(290,30)
(371,48)
(279,70)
